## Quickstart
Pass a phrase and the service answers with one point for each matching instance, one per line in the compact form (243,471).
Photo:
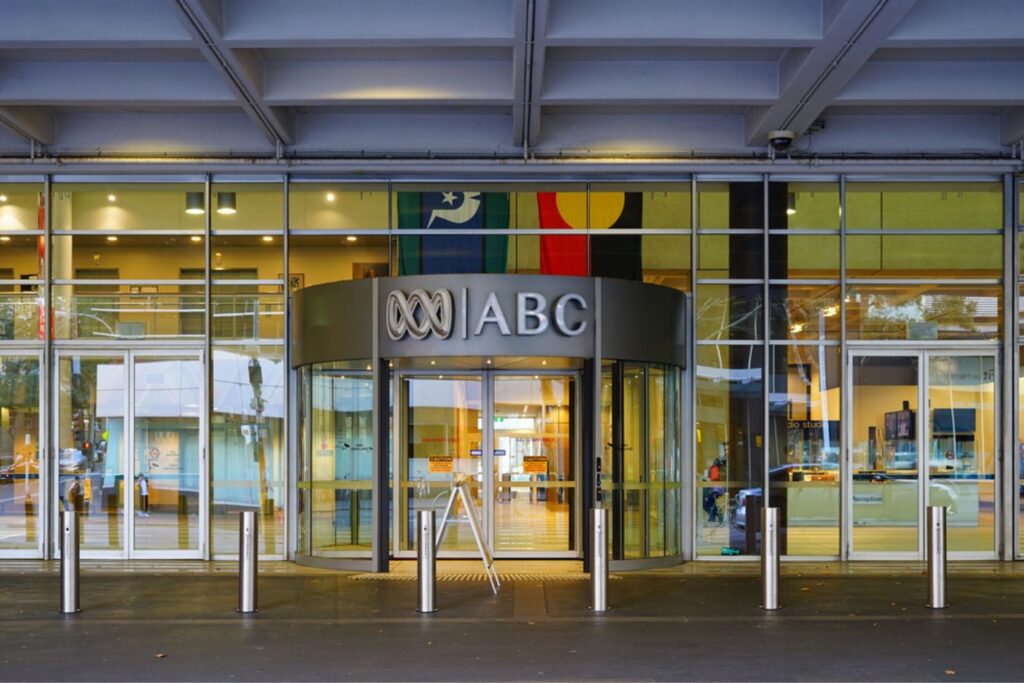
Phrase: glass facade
(820,305)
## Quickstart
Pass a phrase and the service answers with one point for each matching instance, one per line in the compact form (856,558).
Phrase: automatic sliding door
(884,454)
(534,472)
(91,443)
(167,482)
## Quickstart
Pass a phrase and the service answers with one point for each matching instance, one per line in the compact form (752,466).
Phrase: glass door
(534,445)
(166,473)
(440,443)
(903,458)
(110,404)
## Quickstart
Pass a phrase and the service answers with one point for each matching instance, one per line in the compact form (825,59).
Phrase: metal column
(599,559)
(248,552)
(936,556)
(69,603)
(769,558)
(426,563)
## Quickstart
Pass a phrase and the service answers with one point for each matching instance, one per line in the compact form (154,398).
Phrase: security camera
(780,140)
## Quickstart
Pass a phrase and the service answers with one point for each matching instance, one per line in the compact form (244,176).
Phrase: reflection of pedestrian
(143,483)
(711,494)
(74,496)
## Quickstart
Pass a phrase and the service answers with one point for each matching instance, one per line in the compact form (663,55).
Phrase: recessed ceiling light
(433,362)
(351,238)
(268,238)
(111,238)
(331,197)
(111,197)
(5,238)
(196,238)
(3,198)
(543,362)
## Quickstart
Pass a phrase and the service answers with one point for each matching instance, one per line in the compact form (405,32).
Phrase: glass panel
(91,447)
(442,444)
(730,256)
(730,448)
(924,206)
(629,468)
(664,458)
(21,257)
(499,206)
(804,206)
(247,206)
(21,206)
(248,445)
(118,311)
(167,442)
(884,455)
(804,311)
(663,206)
(803,470)
(738,205)
(924,312)
(1020,451)
(253,257)
(20,497)
(313,260)
(919,256)
(128,206)
(336,205)
(129,257)
(247,312)
(729,311)
(534,472)
(962,449)
(336,489)
(22,313)
(793,256)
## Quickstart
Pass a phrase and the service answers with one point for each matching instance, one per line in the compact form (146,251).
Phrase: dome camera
(781,140)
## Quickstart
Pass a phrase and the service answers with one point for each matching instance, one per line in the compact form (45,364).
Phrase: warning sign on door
(535,464)
(440,464)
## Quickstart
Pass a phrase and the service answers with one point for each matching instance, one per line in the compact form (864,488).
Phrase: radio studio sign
(485,315)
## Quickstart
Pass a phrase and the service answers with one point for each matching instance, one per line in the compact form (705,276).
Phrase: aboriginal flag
(616,256)
(444,211)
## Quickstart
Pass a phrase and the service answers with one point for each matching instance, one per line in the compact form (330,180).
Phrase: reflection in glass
(126,312)
(805,311)
(166,474)
(534,473)
(442,443)
(803,470)
(962,448)
(884,457)
(730,454)
(20,500)
(247,445)
(924,312)
(336,476)
(729,311)
(91,447)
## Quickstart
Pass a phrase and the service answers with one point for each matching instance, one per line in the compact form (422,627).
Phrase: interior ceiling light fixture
(226,203)
(196,238)
(790,203)
(351,238)
(111,238)
(331,196)
(5,238)
(268,238)
(3,199)
(194,203)
(111,198)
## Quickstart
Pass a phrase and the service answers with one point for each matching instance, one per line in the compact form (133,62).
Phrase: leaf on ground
(160,655)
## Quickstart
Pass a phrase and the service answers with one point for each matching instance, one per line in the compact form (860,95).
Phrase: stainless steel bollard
(248,554)
(769,558)
(426,561)
(599,558)
(69,603)
(936,557)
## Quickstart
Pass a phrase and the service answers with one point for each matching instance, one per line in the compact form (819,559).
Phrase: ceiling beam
(241,69)
(538,51)
(31,123)
(1011,126)
(522,25)
(810,78)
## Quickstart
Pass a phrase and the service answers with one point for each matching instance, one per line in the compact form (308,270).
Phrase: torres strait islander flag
(610,255)
(445,211)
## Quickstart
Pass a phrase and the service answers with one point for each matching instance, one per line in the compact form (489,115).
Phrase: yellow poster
(535,464)
(440,464)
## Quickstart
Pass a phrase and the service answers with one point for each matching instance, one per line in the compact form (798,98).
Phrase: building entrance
(512,437)
(130,451)
(924,432)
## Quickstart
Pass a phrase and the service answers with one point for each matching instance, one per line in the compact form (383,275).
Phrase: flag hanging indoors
(445,211)
(616,256)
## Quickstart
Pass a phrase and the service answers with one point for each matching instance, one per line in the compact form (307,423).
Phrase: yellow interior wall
(310,209)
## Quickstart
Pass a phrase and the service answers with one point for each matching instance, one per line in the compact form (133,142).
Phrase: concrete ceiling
(509,78)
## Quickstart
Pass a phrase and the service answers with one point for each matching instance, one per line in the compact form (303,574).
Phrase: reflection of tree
(19,393)
(887,316)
